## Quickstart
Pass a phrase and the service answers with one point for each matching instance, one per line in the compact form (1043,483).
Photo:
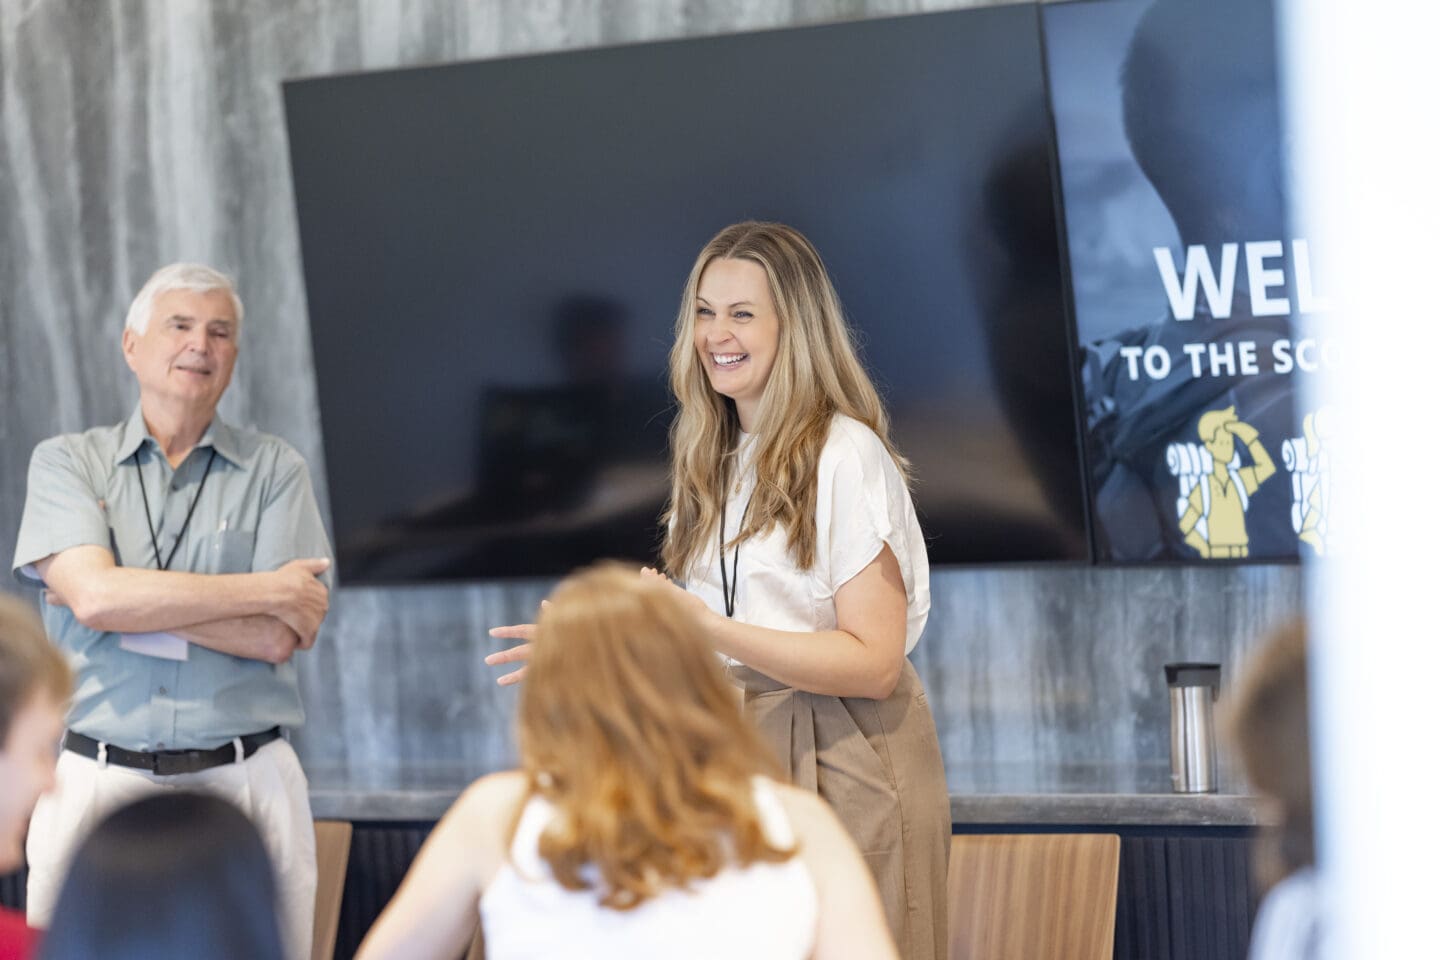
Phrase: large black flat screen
(494,254)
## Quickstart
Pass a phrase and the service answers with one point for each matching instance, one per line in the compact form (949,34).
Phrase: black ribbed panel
(1211,900)
(380,853)
(1142,911)
(1184,897)
(12,889)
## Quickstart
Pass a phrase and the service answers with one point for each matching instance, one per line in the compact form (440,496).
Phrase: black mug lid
(1192,674)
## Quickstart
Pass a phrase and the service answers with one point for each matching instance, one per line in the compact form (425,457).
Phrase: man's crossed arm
(258,616)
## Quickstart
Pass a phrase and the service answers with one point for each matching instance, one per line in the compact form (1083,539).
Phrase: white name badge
(165,646)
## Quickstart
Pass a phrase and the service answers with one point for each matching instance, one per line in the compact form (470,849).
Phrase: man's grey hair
(180,276)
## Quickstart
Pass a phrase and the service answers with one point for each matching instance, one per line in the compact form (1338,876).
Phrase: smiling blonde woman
(791,526)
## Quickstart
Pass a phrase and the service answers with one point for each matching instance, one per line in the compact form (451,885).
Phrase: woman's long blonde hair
(629,728)
(816,375)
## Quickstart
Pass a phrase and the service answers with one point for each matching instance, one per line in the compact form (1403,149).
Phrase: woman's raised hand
(520,653)
(525,632)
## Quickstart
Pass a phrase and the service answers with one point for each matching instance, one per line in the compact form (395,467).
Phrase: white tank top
(766,911)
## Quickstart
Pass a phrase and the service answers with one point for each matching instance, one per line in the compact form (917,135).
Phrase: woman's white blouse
(764,911)
(861,503)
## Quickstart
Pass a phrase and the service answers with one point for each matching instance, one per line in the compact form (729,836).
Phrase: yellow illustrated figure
(1214,521)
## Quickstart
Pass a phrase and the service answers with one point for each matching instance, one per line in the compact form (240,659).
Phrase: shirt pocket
(227,551)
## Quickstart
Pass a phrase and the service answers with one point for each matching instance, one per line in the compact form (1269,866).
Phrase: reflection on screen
(494,254)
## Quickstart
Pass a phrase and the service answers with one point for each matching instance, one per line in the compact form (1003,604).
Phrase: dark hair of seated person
(169,876)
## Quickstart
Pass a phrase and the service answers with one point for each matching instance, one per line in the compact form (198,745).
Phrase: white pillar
(1363,91)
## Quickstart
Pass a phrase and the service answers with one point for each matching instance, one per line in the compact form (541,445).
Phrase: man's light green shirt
(257,512)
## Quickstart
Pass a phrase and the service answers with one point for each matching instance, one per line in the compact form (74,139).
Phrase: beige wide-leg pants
(877,762)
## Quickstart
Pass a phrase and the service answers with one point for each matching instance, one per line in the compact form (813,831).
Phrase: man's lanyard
(730,585)
(150,524)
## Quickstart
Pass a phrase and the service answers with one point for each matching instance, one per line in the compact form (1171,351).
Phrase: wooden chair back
(1033,896)
(332,857)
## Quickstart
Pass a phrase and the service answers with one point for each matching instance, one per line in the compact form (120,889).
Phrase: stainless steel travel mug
(1193,689)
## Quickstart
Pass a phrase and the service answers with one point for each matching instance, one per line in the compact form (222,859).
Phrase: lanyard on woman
(730,585)
(150,524)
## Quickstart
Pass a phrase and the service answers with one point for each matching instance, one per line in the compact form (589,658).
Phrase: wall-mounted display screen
(494,254)
(1193,299)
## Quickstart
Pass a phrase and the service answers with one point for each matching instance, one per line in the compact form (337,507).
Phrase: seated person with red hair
(646,820)
(34,689)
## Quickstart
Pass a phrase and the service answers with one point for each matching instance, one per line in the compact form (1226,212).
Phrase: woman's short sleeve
(855,511)
(862,504)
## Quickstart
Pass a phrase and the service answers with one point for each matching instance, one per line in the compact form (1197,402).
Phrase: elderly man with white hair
(184,562)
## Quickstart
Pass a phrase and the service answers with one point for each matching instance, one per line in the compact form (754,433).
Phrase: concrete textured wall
(136,133)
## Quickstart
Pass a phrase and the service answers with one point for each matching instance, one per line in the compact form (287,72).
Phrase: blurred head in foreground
(1267,719)
(172,875)
(34,690)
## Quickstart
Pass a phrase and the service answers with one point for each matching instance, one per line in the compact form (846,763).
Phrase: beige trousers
(268,786)
(877,763)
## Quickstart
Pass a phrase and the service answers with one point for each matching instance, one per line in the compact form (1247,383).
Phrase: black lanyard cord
(150,524)
(730,585)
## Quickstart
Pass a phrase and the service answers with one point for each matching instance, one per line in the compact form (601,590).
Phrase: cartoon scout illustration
(1215,489)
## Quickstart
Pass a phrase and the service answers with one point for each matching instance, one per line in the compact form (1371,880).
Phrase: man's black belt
(166,763)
